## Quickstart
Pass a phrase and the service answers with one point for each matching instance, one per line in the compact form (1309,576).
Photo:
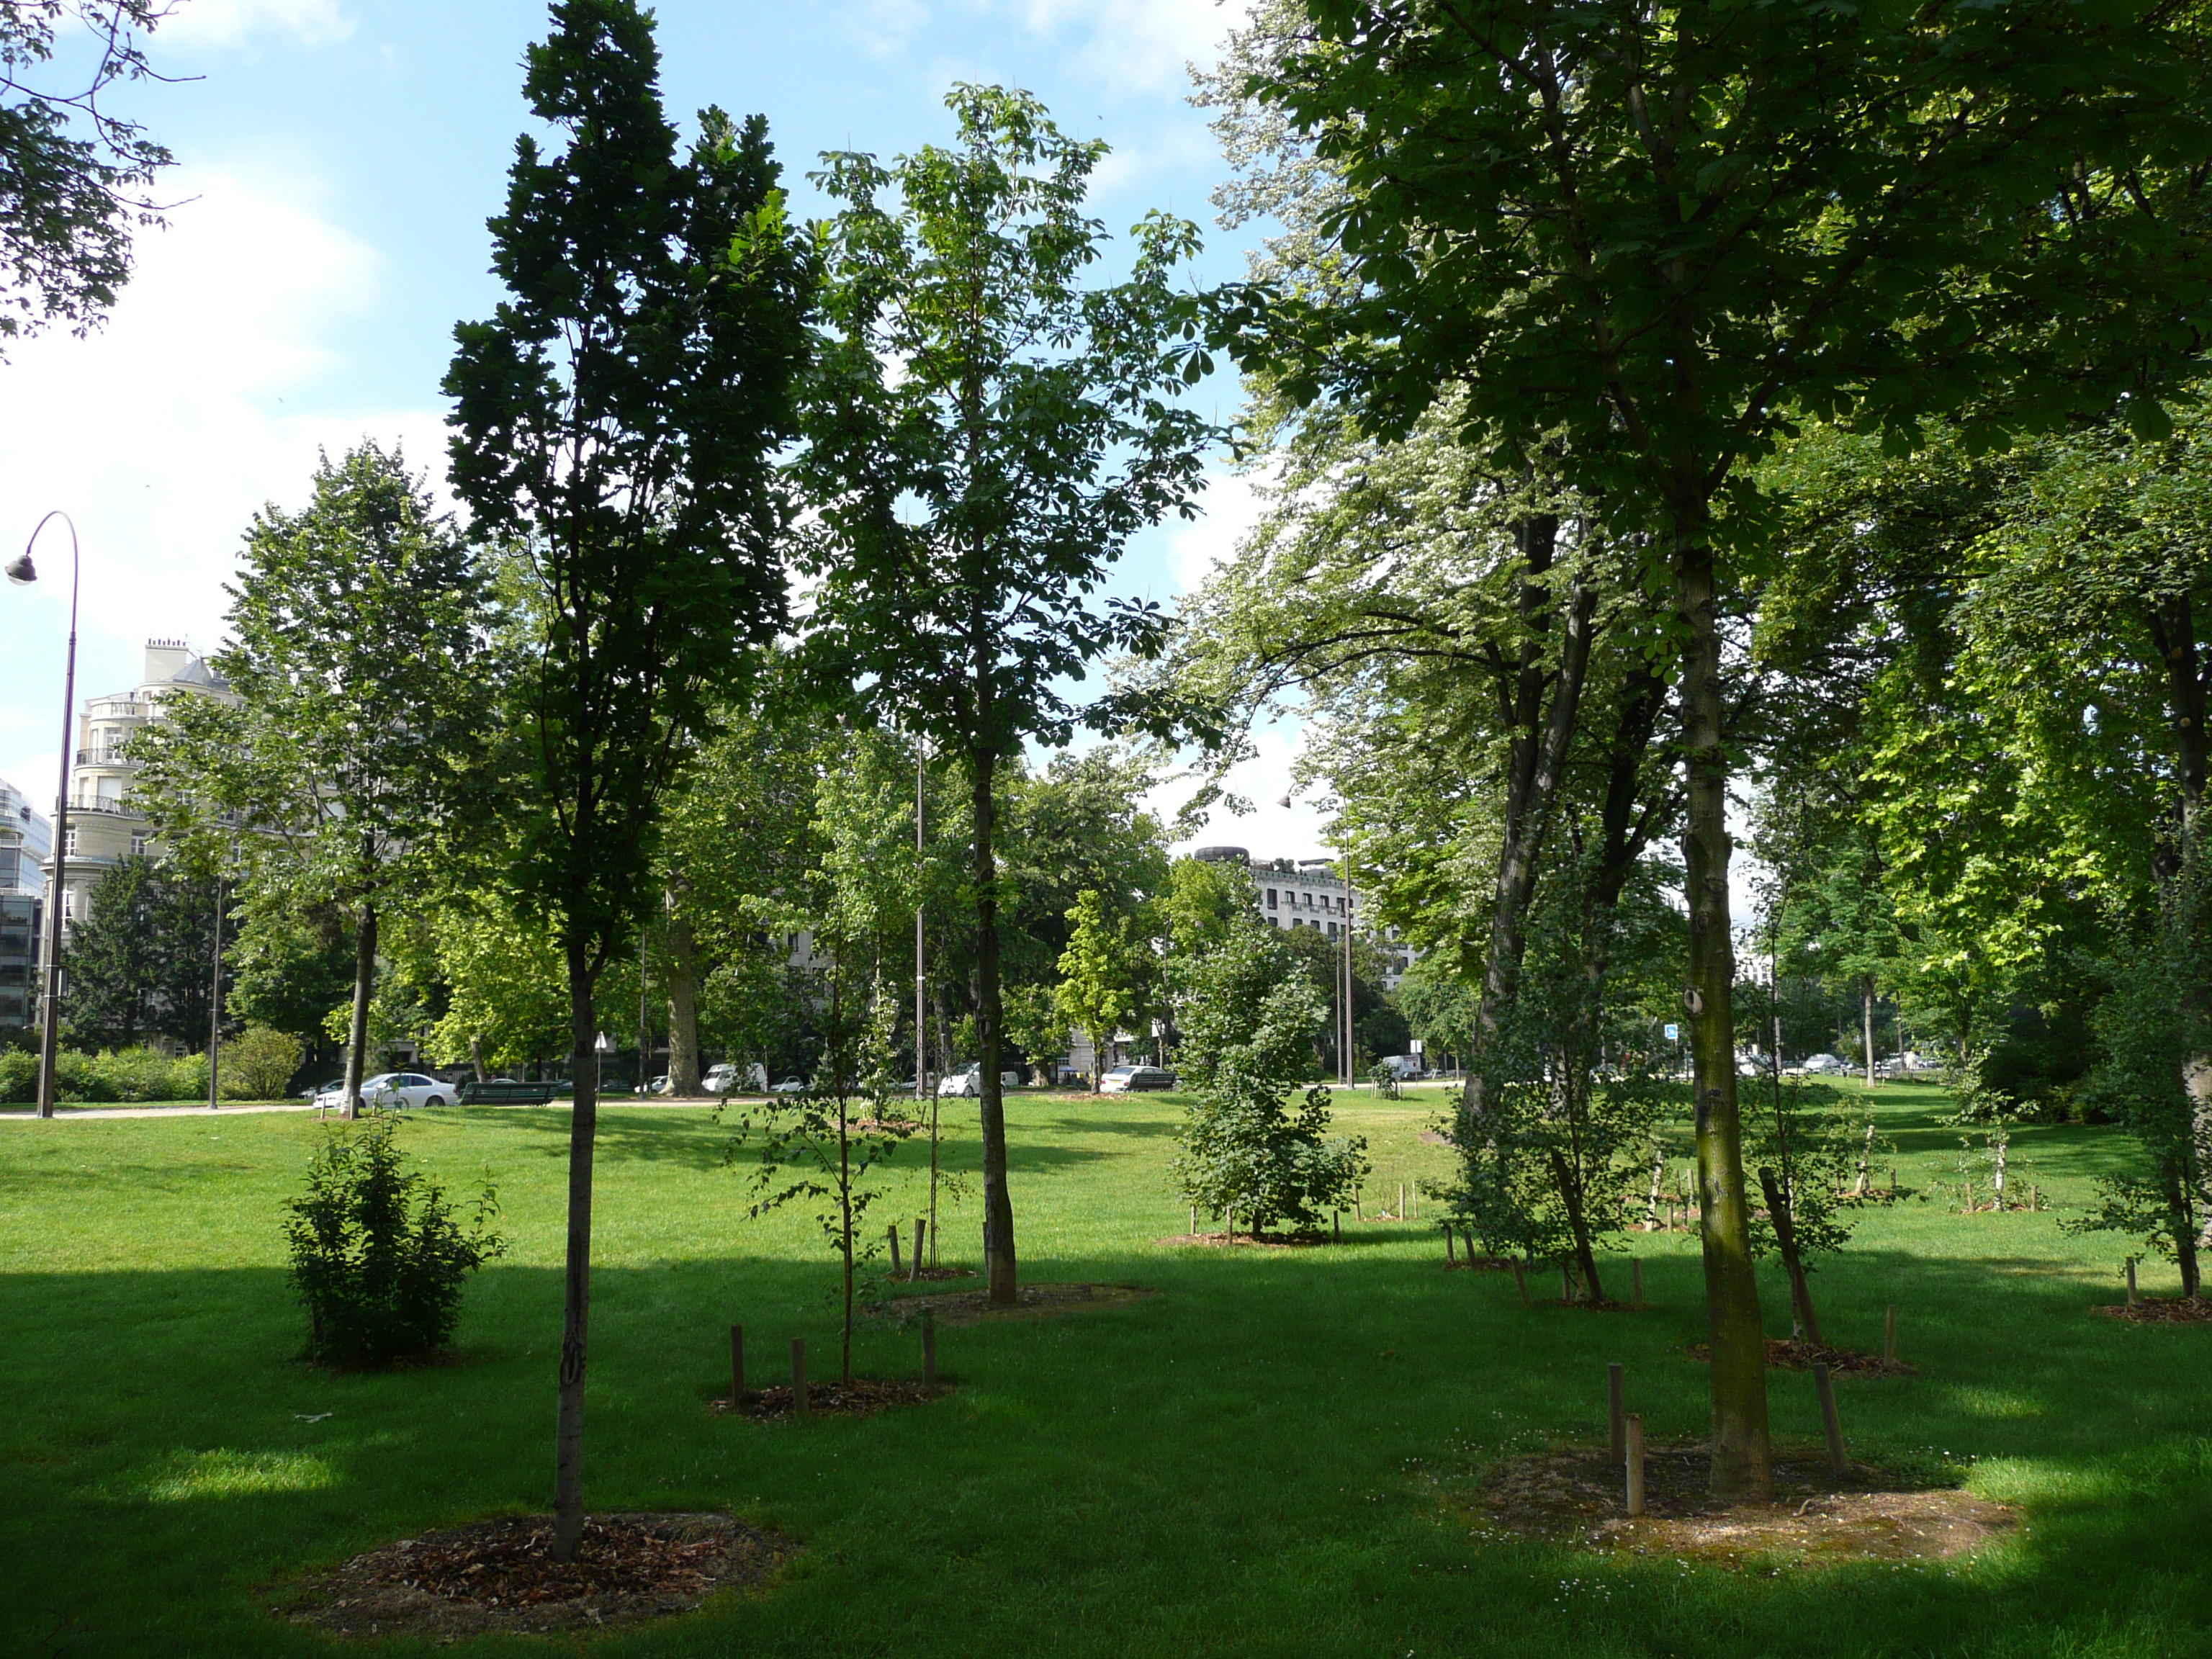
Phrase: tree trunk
(1536,764)
(364,989)
(998,1204)
(681,966)
(477,1058)
(1571,1195)
(2173,629)
(1867,993)
(1785,1235)
(576,1283)
(1742,1455)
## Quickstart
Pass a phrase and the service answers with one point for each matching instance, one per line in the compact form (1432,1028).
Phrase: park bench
(503,1092)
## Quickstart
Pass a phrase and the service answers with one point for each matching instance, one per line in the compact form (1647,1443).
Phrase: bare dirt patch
(1815,1519)
(2162,1310)
(1790,1353)
(1246,1241)
(1031,1301)
(500,1576)
(863,1396)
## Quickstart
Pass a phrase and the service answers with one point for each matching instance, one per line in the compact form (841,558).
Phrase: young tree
(72,171)
(1655,237)
(615,420)
(1249,1021)
(985,436)
(1106,974)
(355,628)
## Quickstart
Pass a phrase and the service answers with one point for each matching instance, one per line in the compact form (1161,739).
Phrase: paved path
(30,1114)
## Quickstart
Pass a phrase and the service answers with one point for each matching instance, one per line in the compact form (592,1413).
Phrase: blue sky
(337,160)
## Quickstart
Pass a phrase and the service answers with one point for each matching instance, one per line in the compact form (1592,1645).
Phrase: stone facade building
(1310,893)
(103,829)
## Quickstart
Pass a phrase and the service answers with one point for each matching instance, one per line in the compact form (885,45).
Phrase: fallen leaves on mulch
(1814,1519)
(1790,1353)
(2162,1310)
(863,1396)
(500,1576)
(1247,1240)
(1031,1301)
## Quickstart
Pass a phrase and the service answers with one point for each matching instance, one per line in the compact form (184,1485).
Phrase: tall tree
(356,628)
(614,419)
(73,172)
(985,436)
(1656,235)
(141,963)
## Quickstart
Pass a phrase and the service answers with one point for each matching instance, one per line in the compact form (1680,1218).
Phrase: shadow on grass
(1247,1446)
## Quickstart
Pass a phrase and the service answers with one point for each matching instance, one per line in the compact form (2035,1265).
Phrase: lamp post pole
(22,572)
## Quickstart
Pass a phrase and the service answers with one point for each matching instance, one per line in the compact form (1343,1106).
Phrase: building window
(1270,898)
(68,904)
(139,841)
(68,842)
(1332,930)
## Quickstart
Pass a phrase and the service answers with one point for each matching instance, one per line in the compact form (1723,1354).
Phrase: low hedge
(114,1078)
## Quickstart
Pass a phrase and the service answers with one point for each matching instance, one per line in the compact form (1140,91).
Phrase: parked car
(729,1078)
(390,1091)
(791,1086)
(1128,1079)
(660,1085)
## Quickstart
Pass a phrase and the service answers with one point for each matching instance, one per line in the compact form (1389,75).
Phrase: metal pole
(921,1047)
(1347,965)
(644,1038)
(50,1017)
(215,1002)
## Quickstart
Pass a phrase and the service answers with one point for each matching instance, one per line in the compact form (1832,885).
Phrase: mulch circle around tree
(1246,1241)
(1790,1353)
(2161,1311)
(1031,1301)
(499,1576)
(1814,1519)
(862,1397)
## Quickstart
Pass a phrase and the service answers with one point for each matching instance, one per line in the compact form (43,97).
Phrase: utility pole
(921,1089)
(215,1001)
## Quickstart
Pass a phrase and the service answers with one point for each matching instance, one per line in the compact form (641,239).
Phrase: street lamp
(22,573)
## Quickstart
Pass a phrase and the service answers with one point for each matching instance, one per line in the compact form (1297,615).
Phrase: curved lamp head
(22,572)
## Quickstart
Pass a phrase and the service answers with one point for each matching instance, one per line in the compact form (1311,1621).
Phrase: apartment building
(1310,893)
(103,827)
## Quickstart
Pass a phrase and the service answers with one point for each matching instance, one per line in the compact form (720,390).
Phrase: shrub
(134,1075)
(375,1253)
(260,1064)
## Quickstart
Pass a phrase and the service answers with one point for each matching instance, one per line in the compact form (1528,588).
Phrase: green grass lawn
(1264,1459)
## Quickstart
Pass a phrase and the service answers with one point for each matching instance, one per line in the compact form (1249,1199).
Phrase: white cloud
(162,434)
(1233,506)
(1136,45)
(234,23)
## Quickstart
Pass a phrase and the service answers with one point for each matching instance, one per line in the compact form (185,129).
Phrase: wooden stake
(1401,1200)
(1634,1425)
(798,1376)
(737,1364)
(1825,1388)
(921,1229)
(896,1266)
(1336,1225)
(1889,1336)
(1566,1283)
(2131,1281)
(1416,1201)
(1358,1213)
(1521,1278)
(929,1347)
(1636,1275)
(1449,1259)
(1615,1418)
(1194,1221)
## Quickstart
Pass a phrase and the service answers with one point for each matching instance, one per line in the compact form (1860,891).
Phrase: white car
(1126,1079)
(792,1085)
(390,1091)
